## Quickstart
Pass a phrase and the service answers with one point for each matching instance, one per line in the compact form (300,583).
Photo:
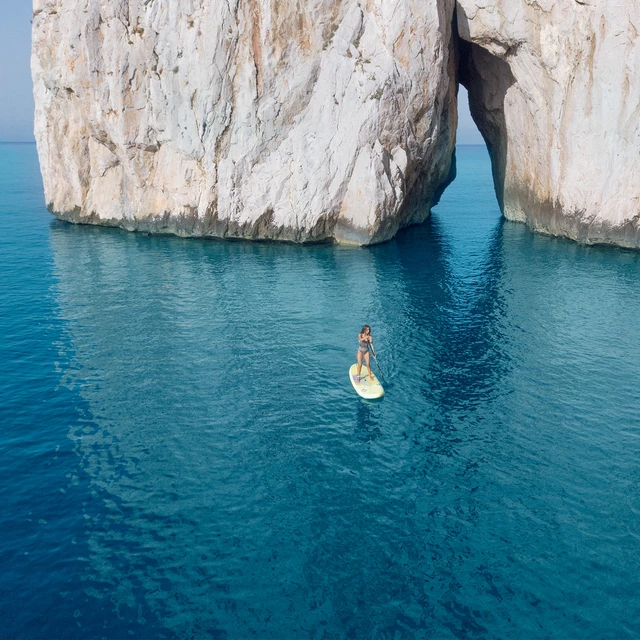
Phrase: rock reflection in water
(238,486)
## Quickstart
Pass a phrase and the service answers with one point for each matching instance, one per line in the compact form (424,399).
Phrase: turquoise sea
(182,454)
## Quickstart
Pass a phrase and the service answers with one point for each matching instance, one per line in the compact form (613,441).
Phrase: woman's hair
(366,326)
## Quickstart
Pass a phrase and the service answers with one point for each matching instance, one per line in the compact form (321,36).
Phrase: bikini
(364,346)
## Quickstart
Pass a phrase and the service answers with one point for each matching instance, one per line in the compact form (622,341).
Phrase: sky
(467,131)
(16,97)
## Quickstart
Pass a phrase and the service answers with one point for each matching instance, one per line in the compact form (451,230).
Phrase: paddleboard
(366,387)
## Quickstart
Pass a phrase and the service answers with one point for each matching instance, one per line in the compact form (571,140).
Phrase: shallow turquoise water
(183,455)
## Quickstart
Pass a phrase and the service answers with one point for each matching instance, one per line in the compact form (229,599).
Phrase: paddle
(373,353)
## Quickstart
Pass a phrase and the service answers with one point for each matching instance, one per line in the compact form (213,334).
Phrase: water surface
(183,455)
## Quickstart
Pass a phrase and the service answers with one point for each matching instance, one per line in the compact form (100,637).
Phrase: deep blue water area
(182,454)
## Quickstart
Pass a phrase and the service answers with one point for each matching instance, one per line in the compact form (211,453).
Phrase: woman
(365,341)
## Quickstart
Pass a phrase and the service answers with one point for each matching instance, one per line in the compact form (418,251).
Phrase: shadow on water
(469,356)
(185,456)
(218,430)
(237,485)
(368,421)
(455,340)
(174,341)
(452,350)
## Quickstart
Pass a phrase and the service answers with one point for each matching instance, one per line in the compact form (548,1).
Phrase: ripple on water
(184,455)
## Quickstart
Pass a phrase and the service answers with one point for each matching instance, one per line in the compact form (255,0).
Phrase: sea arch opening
(467,215)
(469,212)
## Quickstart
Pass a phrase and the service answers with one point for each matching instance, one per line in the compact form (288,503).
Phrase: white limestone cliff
(335,120)
(555,89)
(246,118)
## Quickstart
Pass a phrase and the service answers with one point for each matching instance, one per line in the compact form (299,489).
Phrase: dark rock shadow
(487,79)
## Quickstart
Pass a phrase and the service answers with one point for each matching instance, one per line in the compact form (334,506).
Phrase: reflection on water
(228,482)
(239,487)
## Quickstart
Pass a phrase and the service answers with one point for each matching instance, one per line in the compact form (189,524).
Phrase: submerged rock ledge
(265,120)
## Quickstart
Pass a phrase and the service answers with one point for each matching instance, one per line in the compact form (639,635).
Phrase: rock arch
(335,119)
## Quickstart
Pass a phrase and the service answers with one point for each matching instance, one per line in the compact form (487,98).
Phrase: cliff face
(327,119)
(554,88)
(247,118)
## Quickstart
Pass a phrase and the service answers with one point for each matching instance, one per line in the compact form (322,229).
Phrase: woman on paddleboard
(365,341)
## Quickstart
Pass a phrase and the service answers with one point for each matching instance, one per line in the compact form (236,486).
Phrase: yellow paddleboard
(369,388)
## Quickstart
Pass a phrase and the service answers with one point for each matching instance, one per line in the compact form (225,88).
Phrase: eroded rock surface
(315,120)
(247,118)
(555,89)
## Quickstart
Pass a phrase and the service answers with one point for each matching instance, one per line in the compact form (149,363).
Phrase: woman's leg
(367,359)
(359,356)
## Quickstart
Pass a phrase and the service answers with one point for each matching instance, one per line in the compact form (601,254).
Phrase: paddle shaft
(373,353)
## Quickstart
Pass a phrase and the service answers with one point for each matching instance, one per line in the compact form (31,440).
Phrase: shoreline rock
(553,88)
(335,122)
(244,119)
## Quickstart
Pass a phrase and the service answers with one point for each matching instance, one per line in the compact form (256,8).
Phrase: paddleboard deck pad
(366,387)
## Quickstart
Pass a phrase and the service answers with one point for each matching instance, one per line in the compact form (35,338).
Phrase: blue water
(182,455)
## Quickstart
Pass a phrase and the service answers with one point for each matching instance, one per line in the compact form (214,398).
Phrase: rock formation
(555,90)
(318,120)
(247,118)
